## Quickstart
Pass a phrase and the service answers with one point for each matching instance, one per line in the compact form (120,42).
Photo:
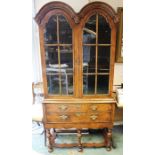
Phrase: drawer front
(66,107)
(99,107)
(79,117)
(78,107)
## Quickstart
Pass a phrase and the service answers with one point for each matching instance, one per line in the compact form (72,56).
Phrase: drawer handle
(63,107)
(64,117)
(94,107)
(93,117)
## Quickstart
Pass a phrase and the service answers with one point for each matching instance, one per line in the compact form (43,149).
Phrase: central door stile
(77,44)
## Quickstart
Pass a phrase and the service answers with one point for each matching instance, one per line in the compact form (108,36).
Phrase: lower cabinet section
(79,116)
(78,113)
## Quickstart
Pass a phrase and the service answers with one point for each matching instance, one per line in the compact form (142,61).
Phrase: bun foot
(108,148)
(50,150)
(80,149)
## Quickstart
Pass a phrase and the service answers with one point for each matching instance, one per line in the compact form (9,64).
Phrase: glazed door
(77,50)
(96,56)
(59,54)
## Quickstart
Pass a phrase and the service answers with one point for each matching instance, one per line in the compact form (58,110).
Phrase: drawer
(78,107)
(66,107)
(78,117)
(99,107)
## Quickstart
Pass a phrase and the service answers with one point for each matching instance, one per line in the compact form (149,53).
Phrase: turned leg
(105,137)
(45,139)
(109,139)
(80,149)
(50,140)
(54,133)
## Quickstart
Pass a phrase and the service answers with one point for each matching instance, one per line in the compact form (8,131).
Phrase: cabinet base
(107,134)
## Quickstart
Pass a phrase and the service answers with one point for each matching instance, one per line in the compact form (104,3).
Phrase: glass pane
(59,70)
(66,56)
(66,60)
(89,31)
(59,59)
(89,59)
(50,35)
(102,84)
(70,83)
(103,59)
(51,56)
(52,70)
(65,31)
(53,82)
(104,31)
(66,82)
(88,84)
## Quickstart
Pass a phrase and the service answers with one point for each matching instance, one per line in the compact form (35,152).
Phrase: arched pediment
(59,7)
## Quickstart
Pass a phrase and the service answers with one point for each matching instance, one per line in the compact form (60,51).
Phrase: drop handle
(94,107)
(93,117)
(64,117)
(63,107)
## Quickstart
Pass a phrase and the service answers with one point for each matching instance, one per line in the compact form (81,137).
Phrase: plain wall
(77,5)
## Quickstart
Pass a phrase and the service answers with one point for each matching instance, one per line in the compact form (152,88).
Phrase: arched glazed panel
(58,55)
(96,55)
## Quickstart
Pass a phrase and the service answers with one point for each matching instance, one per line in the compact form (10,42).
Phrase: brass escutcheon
(63,107)
(64,117)
(94,107)
(93,117)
